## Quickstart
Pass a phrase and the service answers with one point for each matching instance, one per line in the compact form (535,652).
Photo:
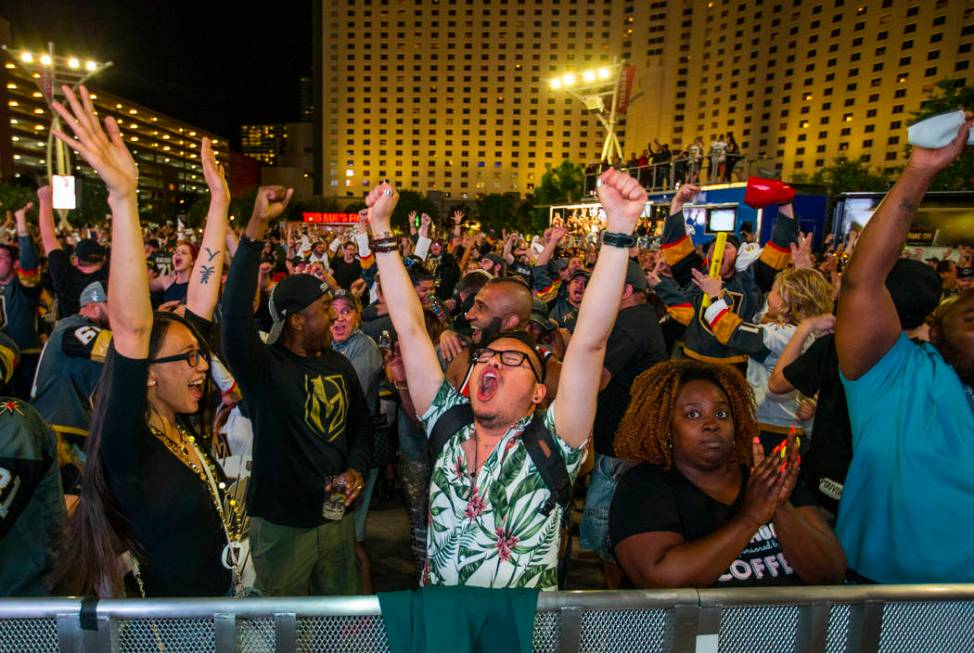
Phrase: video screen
(722,220)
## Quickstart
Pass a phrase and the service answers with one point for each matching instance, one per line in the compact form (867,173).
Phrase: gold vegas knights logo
(326,405)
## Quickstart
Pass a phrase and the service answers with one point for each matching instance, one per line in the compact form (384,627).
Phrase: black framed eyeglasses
(192,357)
(509,358)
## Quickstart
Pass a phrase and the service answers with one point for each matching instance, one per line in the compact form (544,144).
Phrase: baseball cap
(636,278)
(965,273)
(580,272)
(89,251)
(342,295)
(494,258)
(558,264)
(294,293)
(521,270)
(539,315)
(93,293)
(915,288)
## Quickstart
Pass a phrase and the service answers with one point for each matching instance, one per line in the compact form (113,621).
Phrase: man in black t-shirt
(312,430)
(70,275)
(345,266)
(635,344)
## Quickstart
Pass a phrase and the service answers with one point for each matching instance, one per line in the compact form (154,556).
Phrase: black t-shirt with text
(635,344)
(650,498)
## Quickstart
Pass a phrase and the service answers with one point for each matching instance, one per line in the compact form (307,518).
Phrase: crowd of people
(660,168)
(212,413)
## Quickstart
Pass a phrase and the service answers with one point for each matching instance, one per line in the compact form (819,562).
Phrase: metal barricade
(887,619)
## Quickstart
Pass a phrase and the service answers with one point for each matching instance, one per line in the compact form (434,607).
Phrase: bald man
(503,304)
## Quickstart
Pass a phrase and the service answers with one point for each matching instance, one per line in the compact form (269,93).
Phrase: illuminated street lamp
(598,90)
(50,71)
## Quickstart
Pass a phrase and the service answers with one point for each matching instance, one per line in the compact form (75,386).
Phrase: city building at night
(457,97)
(166,150)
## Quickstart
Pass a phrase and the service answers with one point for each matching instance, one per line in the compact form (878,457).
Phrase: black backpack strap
(547,457)
(451,421)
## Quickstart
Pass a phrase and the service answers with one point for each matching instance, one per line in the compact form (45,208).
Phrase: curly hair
(805,293)
(643,435)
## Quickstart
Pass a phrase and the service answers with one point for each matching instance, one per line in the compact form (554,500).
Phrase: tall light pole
(598,89)
(50,71)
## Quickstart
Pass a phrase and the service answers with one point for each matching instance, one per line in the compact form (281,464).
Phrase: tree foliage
(947,97)
(564,183)
(412,200)
(846,175)
(497,211)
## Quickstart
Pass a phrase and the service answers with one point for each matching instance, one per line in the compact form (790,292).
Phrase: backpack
(539,442)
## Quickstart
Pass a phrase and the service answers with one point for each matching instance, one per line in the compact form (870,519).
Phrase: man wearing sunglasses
(486,491)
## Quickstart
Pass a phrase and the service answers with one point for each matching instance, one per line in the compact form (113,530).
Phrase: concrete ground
(387,542)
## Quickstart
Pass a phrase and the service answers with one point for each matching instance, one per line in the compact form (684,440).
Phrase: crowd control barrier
(890,619)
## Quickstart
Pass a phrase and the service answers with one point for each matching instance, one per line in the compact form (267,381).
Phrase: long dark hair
(97,533)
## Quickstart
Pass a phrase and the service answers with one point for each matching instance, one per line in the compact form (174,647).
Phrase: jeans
(414,476)
(594,531)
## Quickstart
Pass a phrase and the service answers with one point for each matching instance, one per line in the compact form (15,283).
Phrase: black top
(175,292)
(826,464)
(309,414)
(650,499)
(635,344)
(69,281)
(167,506)
(345,273)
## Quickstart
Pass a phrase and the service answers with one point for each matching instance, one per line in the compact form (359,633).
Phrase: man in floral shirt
(487,523)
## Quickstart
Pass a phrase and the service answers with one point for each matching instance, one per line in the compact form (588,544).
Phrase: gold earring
(151,383)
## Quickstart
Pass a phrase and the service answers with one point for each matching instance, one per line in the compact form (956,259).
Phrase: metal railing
(886,618)
(666,176)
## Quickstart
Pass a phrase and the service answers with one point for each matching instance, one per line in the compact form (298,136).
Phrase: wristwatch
(616,239)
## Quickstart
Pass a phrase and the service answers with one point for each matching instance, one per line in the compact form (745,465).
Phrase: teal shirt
(907,510)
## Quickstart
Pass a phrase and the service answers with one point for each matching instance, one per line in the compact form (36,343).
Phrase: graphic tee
(650,498)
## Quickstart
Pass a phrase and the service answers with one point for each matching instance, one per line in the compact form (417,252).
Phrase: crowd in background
(214,412)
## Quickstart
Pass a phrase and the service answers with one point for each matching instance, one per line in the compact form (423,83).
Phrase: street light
(595,86)
(50,71)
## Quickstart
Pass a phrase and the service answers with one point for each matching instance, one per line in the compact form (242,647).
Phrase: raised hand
(271,202)
(687,192)
(623,200)
(21,214)
(935,160)
(558,232)
(457,217)
(820,325)
(381,202)
(103,149)
(801,253)
(213,173)
(709,285)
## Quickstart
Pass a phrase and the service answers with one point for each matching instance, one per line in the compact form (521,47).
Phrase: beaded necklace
(231,518)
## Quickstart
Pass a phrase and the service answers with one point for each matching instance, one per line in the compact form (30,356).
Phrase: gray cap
(93,293)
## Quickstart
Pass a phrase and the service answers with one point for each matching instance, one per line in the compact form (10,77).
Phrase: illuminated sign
(318,217)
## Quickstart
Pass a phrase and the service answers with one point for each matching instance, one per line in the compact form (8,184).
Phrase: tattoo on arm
(908,206)
(205,273)
(211,254)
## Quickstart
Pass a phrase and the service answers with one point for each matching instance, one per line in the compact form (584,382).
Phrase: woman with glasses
(151,498)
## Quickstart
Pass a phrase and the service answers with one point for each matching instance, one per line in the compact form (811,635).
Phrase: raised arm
(623,200)
(423,373)
(28,258)
(861,344)
(45,219)
(128,282)
(204,281)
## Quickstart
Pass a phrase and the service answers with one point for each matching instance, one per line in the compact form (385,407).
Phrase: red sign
(318,217)
(625,89)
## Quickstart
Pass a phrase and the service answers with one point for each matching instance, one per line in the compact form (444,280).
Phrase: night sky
(211,64)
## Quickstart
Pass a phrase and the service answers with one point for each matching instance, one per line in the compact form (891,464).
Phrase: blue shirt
(907,510)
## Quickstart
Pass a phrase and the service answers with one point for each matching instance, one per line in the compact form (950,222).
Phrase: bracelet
(616,239)
(386,240)
(386,248)
(382,235)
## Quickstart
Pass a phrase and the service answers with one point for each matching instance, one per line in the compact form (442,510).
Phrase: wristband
(382,235)
(616,239)
(386,248)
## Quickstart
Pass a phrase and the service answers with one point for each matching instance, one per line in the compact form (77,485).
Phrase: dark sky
(211,64)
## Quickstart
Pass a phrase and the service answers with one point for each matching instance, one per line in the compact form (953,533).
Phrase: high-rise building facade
(263,142)
(798,82)
(455,96)
(166,150)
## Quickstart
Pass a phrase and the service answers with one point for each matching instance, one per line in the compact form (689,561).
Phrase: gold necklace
(233,522)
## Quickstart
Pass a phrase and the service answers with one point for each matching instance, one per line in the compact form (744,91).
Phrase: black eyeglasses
(191,357)
(509,358)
